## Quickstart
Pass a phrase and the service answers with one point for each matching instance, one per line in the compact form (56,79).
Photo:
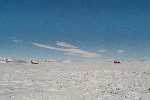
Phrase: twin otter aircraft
(34,62)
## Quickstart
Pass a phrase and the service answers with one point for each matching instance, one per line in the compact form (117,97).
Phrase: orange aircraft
(34,62)
(116,62)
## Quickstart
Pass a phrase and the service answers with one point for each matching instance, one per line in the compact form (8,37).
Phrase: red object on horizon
(34,62)
(116,62)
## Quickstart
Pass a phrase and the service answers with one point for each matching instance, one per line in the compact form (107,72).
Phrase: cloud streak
(20,41)
(102,50)
(70,50)
(64,44)
(120,51)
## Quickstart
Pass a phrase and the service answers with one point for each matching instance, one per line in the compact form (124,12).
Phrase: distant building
(39,61)
(141,60)
(110,60)
(66,61)
(2,59)
(76,61)
(11,59)
(51,61)
(15,60)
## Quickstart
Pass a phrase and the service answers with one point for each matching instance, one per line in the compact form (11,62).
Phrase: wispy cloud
(64,44)
(71,50)
(13,37)
(120,51)
(102,50)
(20,41)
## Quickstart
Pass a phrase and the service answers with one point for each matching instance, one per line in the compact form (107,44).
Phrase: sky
(87,30)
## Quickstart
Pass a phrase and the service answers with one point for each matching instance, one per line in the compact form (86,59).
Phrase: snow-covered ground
(75,81)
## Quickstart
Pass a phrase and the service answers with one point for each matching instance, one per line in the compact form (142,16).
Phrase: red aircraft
(116,62)
(34,62)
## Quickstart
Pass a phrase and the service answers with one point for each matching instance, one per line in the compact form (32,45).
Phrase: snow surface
(75,81)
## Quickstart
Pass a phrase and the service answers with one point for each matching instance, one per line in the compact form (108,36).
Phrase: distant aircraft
(34,62)
(116,62)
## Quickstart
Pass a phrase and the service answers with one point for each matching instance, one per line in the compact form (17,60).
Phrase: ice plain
(75,81)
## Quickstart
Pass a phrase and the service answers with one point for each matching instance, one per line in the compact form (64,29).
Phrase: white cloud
(64,44)
(44,46)
(13,37)
(120,51)
(71,54)
(102,50)
(70,51)
(20,41)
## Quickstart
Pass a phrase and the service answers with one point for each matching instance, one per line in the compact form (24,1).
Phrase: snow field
(75,81)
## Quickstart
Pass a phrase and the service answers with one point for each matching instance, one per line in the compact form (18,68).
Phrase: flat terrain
(75,81)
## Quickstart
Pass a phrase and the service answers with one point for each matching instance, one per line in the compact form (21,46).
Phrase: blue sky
(88,30)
